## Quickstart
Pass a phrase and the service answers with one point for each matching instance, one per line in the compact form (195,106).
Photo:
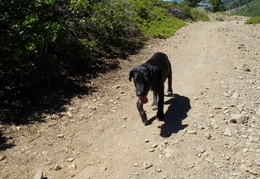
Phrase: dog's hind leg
(169,92)
(155,100)
(160,113)
(142,112)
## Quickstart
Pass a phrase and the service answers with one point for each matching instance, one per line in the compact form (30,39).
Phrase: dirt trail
(211,128)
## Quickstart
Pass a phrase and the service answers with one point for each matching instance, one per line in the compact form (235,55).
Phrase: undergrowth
(253,20)
(47,42)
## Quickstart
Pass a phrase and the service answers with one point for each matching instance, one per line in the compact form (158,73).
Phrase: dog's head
(143,78)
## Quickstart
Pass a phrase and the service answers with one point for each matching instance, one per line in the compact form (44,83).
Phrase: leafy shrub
(162,28)
(38,35)
(180,11)
(253,20)
(30,30)
(158,23)
(198,14)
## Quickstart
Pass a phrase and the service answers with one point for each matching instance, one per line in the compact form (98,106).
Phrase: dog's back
(161,61)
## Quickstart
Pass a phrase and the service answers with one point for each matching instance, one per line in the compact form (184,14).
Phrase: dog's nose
(138,93)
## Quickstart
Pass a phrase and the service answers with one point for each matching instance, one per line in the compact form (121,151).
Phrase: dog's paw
(144,117)
(154,107)
(160,116)
(169,93)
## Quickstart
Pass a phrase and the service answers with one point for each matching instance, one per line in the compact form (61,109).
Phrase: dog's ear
(154,71)
(131,74)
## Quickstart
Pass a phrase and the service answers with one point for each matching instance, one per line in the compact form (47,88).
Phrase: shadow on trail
(175,114)
(3,143)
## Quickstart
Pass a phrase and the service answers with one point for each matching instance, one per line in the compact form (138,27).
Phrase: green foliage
(232,4)
(39,36)
(219,19)
(155,20)
(252,9)
(199,14)
(162,28)
(192,3)
(253,20)
(29,33)
(217,5)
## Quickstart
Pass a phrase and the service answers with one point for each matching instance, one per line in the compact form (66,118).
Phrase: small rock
(238,118)
(200,149)
(154,146)
(60,135)
(196,98)
(116,87)
(93,108)
(2,157)
(245,150)
(168,152)
(70,159)
(55,117)
(38,175)
(165,142)
(227,132)
(146,140)
(253,138)
(136,165)
(227,157)
(147,164)
(235,95)
(191,132)
(257,162)
(57,167)
(159,170)
(253,172)
(48,163)
(208,136)
(103,169)
(226,94)
(201,127)
(72,167)
(244,168)
(151,150)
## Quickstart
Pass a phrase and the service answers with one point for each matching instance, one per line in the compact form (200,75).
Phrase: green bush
(39,36)
(253,20)
(30,30)
(162,28)
(155,20)
(198,14)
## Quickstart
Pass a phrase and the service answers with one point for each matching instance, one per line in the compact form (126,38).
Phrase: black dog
(152,75)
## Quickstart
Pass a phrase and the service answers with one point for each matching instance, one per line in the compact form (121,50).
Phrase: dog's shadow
(177,111)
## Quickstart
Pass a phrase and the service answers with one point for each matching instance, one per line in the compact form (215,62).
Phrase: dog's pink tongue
(143,100)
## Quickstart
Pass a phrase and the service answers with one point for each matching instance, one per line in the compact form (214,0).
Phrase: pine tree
(217,5)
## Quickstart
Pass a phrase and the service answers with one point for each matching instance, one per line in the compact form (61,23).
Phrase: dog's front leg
(155,100)
(142,112)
